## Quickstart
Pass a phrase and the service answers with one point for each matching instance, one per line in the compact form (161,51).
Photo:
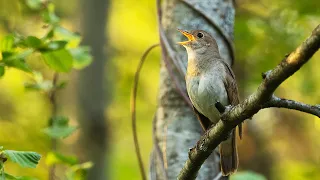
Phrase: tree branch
(250,106)
(291,104)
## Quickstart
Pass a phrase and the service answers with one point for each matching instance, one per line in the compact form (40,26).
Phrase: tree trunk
(91,91)
(177,128)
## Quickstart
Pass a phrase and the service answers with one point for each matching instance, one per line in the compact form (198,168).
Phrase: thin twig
(250,106)
(133,110)
(291,104)
(54,107)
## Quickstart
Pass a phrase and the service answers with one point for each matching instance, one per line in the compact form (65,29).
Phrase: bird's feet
(221,108)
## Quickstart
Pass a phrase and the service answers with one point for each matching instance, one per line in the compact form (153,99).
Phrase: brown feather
(204,121)
(232,91)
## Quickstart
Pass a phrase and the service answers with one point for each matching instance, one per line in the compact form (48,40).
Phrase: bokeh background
(280,144)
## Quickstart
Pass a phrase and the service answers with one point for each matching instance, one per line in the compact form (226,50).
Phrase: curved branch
(291,104)
(133,110)
(250,106)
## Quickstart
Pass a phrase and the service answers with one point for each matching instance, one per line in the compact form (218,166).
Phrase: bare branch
(291,104)
(54,108)
(250,106)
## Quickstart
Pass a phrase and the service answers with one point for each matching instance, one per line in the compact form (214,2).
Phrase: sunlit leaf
(17,60)
(11,177)
(60,128)
(59,132)
(41,86)
(55,45)
(58,158)
(59,60)
(50,34)
(77,169)
(248,175)
(72,38)
(81,57)
(6,43)
(23,158)
(34,4)
(33,42)
(49,15)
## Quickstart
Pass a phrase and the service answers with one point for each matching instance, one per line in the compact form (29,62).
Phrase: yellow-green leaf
(59,60)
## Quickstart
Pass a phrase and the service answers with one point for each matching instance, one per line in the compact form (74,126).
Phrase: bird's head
(199,42)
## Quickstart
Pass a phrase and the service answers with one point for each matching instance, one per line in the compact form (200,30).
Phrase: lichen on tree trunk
(177,128)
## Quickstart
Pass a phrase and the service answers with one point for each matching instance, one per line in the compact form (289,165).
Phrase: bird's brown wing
(232,90)
(204,121)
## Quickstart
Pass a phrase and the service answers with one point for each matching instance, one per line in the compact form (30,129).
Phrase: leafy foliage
(11,177)
(58,60)
(23,158)
(61,51)
(58,158)
(60,128)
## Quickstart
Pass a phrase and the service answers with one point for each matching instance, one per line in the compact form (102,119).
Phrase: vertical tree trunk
(91,91)
(177,128)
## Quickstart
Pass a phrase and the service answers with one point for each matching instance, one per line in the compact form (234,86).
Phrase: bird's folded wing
(232,90)
(204,121)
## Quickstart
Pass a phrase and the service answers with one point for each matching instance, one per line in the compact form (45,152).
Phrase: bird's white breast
(204,91)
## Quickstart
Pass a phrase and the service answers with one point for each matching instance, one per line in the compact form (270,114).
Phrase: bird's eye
(200,35)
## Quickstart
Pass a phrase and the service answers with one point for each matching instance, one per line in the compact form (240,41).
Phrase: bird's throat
(193,68)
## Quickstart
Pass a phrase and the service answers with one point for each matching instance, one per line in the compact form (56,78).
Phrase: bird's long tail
(229,155)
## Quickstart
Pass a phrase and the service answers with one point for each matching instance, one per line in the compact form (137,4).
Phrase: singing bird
(209,80)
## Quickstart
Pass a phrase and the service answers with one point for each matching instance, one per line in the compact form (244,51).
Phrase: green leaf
(39,86)
(17,60)
(77,169)
(33,42)
(34,4)
(72,38)
(59,60)
(50,34)
(2,70)
(59,128)
(248,175)
(49,15)
(23,158)
(81,57)
(6,43)
(11,177)
(1,147)
(58,158)
(19,64)
(55,45)
(59,132)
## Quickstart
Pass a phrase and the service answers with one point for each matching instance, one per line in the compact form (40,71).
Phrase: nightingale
(209,80)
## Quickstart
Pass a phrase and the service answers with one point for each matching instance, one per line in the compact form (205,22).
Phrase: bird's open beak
(188,35)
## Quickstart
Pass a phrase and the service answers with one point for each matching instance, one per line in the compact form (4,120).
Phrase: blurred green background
(279,144)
